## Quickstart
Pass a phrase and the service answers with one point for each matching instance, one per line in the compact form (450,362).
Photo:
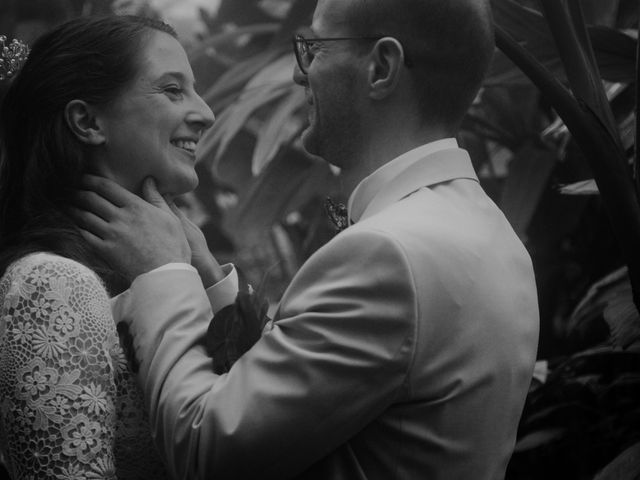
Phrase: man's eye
(313,48)
(173,90)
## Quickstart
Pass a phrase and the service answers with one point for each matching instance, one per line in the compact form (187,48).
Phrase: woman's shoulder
(48,263)
(42,271)
(56,297)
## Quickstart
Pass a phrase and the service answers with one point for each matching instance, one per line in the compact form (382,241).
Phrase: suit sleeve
(337,356)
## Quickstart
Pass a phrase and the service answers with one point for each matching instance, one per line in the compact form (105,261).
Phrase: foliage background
(260,199)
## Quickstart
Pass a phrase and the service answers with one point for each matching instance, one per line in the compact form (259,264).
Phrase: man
(404,348)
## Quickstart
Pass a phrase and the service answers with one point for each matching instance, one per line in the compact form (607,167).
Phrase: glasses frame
(299,41)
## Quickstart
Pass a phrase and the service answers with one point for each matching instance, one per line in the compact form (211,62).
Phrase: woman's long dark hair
(41,161)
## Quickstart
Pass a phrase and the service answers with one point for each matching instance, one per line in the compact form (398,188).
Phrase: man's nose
(298,76)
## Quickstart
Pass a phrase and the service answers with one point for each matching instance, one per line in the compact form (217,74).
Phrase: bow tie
(337,214)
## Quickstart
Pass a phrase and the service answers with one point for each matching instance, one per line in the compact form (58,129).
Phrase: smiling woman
(153,127)
(113,96)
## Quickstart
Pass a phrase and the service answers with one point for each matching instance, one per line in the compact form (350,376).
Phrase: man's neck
(379,151)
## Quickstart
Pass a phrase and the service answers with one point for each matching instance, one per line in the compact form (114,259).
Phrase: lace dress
(69,404)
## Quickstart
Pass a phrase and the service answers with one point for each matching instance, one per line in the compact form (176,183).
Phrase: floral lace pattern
(69,404)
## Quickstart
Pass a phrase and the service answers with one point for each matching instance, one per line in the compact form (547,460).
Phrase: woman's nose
(201,114)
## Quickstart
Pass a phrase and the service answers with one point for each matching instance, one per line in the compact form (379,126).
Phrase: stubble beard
(335,140)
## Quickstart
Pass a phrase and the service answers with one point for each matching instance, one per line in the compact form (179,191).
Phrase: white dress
(70,407)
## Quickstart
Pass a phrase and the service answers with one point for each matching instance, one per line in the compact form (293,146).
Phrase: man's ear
(84,123)
(387,59)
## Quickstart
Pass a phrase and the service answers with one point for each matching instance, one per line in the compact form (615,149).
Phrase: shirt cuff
(114,301)
(225,291)
(219,294)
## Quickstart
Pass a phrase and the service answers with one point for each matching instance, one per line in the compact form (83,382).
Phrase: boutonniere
(337,214)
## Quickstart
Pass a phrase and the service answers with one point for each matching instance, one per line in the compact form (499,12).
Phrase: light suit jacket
(403,349)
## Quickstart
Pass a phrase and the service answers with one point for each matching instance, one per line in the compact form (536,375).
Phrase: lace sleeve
(56,374)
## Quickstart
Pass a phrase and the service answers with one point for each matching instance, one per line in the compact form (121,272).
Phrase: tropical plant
(586,413)
(252,150)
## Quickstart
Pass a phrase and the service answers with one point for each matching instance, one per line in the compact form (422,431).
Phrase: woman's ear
(387,59)
(84,123)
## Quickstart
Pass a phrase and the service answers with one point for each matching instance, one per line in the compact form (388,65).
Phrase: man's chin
(310,142)
(312,147)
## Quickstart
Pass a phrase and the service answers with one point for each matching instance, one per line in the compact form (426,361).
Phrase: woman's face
(153,127)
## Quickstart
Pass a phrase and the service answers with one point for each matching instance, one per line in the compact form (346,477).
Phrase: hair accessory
(12,56)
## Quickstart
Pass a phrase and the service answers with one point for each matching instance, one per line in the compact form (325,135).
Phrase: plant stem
(574,45)
(636,157)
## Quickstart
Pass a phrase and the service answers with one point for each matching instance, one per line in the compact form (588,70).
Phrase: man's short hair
(449,42)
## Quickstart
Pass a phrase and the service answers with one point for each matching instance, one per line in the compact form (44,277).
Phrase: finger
(96,204)
(187,225)
(176,210)
(93,240)
(96,243)
(151,194)
(90,222)
(109,189)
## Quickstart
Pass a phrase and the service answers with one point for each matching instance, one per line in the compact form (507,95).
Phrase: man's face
(331,86)
(153,127)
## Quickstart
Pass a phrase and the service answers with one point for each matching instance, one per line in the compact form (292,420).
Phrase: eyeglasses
(304,56)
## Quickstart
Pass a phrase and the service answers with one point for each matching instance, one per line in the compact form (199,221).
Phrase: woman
(112,96)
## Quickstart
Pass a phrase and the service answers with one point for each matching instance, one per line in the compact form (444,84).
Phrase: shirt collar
(370,187)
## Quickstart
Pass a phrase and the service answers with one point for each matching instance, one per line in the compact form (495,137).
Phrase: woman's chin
(176,188)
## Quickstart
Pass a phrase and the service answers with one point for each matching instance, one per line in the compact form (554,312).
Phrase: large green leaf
(614,50)
(530,29)
(625,466)
(583,187)
(597,297)
(278,130)
(278,71)
(529,172)
(539,438)
(615,53)
(299,15)
(242,12)
(287,183)
(569,30)
(603,13)
(235,117)
(267,85)
(510,114)
(602,150)
(622,318)
(525,24)
(234,79)
(231,37)
(610,298)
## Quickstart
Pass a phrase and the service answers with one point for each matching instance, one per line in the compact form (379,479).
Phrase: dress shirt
(371,185)
(220,294)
